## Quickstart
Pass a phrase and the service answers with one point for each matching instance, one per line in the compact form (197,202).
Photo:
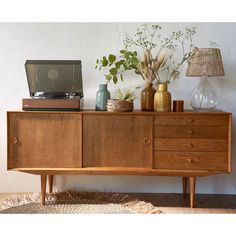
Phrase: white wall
(88,41)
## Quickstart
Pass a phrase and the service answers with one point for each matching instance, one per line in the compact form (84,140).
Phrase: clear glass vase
(204,96)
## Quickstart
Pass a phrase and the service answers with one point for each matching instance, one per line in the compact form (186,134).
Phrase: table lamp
(205,62)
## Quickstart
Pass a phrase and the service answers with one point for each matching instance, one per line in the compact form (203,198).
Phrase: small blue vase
(102,96)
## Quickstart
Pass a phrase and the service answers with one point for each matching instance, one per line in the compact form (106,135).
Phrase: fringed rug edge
(133,204)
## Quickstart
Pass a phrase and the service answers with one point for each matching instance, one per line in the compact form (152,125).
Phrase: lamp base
(204,96)
(206,110)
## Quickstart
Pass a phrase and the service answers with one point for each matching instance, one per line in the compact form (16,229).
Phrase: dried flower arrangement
(165,65)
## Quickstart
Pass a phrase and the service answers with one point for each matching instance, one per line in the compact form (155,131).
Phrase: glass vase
(147,97)
(204,96)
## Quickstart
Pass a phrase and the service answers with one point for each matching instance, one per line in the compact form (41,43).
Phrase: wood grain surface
(117,141)
(187,144)
(214,161)
(190,131)
(191,119)
(44,140)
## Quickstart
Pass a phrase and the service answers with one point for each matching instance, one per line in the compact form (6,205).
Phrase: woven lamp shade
(205,62)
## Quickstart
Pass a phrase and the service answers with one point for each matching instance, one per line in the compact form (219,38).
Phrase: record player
(54,85)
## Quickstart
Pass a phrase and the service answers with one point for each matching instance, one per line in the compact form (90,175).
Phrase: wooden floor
(171,203)
(205,203)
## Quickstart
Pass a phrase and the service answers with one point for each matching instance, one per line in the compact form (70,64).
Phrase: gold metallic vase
(162,99)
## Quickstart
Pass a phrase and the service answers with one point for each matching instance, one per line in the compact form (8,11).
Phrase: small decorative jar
(147,97)
(102,96)
(162,99)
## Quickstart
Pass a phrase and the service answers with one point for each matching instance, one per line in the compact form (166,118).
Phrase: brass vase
(147,97)
(162,99)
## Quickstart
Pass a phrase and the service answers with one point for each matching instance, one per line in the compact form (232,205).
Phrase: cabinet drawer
(213,161)
(189,131)
(183,119)
(193,145)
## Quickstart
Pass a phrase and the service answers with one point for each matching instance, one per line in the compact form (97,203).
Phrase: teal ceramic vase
(102,96)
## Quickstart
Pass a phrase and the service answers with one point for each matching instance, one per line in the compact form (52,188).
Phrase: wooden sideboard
(186,144)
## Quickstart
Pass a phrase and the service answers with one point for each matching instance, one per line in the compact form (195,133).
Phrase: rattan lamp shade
(205,62)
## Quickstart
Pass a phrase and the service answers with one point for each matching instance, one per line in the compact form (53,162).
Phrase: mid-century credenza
(186,144)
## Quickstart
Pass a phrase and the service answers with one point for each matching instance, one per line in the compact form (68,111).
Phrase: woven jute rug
(72,202)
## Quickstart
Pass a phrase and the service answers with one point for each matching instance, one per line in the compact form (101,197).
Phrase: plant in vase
(164,66)
(116,66)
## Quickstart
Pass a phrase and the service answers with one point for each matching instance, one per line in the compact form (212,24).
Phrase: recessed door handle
(146,140)
(14,140)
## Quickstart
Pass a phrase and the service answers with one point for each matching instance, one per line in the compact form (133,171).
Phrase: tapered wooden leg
(184,185)
(50,182)
(43,188)
(192,181)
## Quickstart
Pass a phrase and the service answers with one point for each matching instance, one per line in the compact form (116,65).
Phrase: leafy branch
(116,66)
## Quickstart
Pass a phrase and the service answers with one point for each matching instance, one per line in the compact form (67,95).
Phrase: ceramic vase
(101,98)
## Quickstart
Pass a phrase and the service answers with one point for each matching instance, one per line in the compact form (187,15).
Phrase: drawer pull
(146,140)
(190,160)
(190,132)
(190,120)
(14,140)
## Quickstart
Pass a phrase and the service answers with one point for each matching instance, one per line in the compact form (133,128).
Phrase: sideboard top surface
(135,112)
